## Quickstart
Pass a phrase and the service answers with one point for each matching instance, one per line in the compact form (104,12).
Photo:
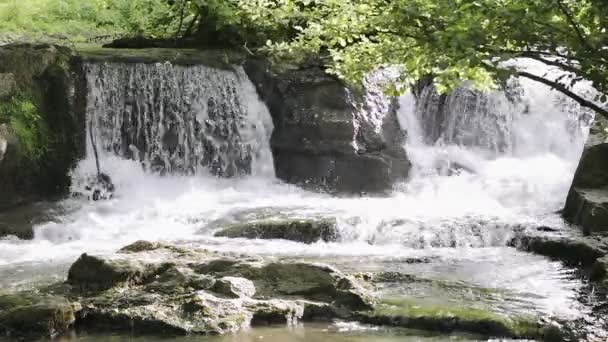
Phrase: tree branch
(564,90)
(574,25)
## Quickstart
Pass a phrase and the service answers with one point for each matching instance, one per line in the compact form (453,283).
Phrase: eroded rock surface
(155,288)
(327,136)
(35,315)
(587,201)
(300,230)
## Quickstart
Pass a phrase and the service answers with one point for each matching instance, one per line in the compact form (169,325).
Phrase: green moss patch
(409,313)
(24,118)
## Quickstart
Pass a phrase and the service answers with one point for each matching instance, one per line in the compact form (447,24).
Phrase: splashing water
(483,166)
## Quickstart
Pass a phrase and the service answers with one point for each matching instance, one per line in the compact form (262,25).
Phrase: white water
(474,207)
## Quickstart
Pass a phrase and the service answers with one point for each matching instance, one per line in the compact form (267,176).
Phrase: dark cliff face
(43,121)
(329,137)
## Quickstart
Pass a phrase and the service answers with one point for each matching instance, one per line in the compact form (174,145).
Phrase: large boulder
(30,315)
(587,201)
(328,136)
(41,121)
(153,288)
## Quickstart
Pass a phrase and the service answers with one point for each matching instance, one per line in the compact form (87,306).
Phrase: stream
(485,170)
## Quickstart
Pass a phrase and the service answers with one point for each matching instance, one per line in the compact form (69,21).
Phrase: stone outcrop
(36,155)
(300,230)
(153,288)
(31,316)
(587,201)
(327,136)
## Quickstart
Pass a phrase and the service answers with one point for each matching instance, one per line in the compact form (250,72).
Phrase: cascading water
(176,119)
(484,166)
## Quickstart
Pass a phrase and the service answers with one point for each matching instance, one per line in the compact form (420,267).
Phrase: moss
(410,313)
(222,59)
(23,116)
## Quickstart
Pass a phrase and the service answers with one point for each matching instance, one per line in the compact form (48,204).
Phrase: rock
(33,316)
(599,270)
(234,287)
(7,85)
(583,251)
(329,137)
(587,201)
(97,273)
(412,314)
(152,288)
(300,230)
(43,77)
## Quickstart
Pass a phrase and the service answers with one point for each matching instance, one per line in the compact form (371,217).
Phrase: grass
(84,20)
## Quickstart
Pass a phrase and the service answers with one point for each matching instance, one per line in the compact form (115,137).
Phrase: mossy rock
(215,58)
(578,251)
(32,316)
(409,313)
(300,230)
(45,112)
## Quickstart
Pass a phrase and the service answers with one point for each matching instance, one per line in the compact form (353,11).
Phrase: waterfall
(177,119)
(518,146)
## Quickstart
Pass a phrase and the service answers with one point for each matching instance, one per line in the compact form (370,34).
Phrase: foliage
(449,40)
(452,40)
(23,117)
(80,20)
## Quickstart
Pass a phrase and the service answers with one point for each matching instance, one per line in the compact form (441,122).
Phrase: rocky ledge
(300,230)
(156,289)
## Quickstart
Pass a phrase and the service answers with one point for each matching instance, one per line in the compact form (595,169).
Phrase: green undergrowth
(82,20)
(22,115)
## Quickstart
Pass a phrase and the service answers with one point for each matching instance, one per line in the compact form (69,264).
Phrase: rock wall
(327,136)
(39,121)
(587,201)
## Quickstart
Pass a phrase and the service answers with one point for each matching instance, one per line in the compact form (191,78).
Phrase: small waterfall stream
(484,167)
(180,120)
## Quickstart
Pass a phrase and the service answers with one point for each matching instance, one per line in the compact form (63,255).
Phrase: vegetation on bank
(449,40)
(85,20)
(29,127)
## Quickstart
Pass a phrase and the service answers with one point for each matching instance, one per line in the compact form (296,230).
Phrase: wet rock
(587,201)
(583,251)
(416,315)
(600,269)
(329,137)
(154,288)
(33,316)
(234,287)
(43,78)
(7,86)
(300,230)
(99,273)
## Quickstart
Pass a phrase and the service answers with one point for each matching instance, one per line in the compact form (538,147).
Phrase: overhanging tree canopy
(452,40)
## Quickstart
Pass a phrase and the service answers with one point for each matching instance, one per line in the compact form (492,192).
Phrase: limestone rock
(414,315)
(44,76)
(587,201)
(156,288)
(327,136)
(582,251)
(234,287)
(29,315)
(97,273)
(300,230)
